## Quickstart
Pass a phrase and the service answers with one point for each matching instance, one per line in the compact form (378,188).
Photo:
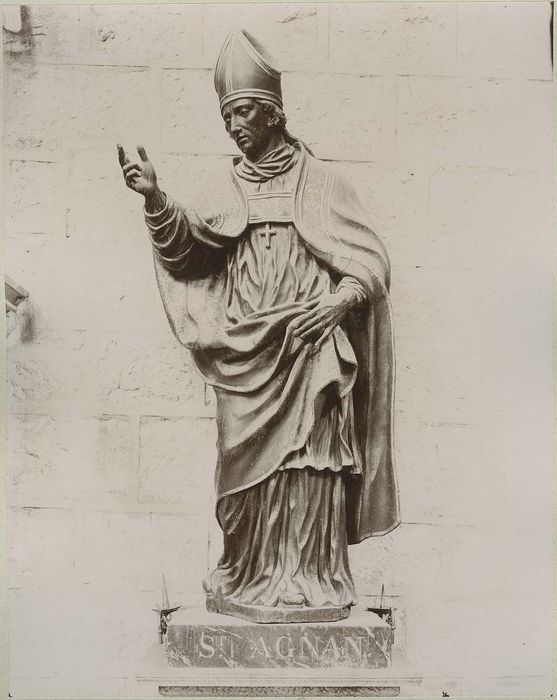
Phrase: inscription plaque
(202,639)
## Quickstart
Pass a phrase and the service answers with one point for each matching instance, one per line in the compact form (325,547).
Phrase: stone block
(492,554)
(184,176)
(110,231)
(407,561)
(384,39)
(360,121)
(79,105)
(296,34)
(147,33)
(55,458)
(453,621)
(333,688)
(146,373)
(202,639)
(534,449)
(460,227)
(400,678)
(520,314)
(395,198)
(478,218)
(100,206)
(131,550)
(504,40)
(97,287)
(430,302)
(34,197)
(76,640)
(439,381)
(513,406)
(538,126)
(460,121)
(191,120)
(49,372)
(61,33)
(431,461)
(516,407)
(41,547)
(177,462)
(40,629)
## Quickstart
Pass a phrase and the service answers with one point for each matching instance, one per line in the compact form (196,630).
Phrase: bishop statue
(278,287)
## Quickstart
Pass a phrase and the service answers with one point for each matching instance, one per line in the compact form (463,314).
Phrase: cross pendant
(268,232)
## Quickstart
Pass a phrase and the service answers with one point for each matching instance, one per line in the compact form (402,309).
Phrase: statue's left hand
(319,322)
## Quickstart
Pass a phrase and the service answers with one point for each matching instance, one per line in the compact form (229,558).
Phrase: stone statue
(277,285)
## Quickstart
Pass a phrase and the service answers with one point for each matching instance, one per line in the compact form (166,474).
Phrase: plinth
(213,655)
(205,639)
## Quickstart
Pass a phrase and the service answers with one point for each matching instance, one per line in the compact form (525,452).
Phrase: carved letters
(356,647)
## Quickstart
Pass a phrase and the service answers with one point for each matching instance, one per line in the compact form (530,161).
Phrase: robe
(299,472)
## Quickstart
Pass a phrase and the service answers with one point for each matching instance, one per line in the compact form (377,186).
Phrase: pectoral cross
(268,232)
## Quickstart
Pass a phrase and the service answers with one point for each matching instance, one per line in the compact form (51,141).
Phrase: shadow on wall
(18,30)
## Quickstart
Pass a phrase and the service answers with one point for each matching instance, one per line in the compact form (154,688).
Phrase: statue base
(262,614)
(209,640)
(157,677)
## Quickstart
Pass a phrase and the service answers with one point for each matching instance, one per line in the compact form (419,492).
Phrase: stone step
(157,677)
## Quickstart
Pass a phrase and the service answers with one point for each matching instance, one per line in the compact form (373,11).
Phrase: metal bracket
(387,614)
(165,611)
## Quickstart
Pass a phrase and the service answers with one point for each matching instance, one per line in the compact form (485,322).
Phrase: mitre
(245,69)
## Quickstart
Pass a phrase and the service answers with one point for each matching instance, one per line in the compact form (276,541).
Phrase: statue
(277,285)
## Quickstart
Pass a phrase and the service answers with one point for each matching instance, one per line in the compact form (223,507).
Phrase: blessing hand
(139,178)
(319,322)
(142,178)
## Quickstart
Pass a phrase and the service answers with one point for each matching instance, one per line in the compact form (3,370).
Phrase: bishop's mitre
(245,69)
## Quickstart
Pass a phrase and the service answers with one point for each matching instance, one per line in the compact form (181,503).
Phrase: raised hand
(139,177)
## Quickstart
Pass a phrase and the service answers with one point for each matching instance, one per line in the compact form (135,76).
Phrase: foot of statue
(296,600)
(291,609)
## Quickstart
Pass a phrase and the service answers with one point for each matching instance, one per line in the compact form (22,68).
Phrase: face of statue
(248,124)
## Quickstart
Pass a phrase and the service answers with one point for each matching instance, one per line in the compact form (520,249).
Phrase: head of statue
(257,126)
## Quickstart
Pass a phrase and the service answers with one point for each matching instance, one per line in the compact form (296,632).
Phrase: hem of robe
(300,466)
(375,533)
(332,584)
(296,447)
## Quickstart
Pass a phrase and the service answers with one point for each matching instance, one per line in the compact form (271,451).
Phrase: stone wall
(440,114)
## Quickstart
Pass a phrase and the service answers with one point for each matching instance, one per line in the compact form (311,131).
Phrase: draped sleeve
(355,287)
(180,240)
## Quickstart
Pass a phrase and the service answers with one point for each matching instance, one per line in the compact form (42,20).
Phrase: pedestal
(207,654)
(158,678)
(209,640)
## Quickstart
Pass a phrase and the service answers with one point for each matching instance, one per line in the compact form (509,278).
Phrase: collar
(274,163)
